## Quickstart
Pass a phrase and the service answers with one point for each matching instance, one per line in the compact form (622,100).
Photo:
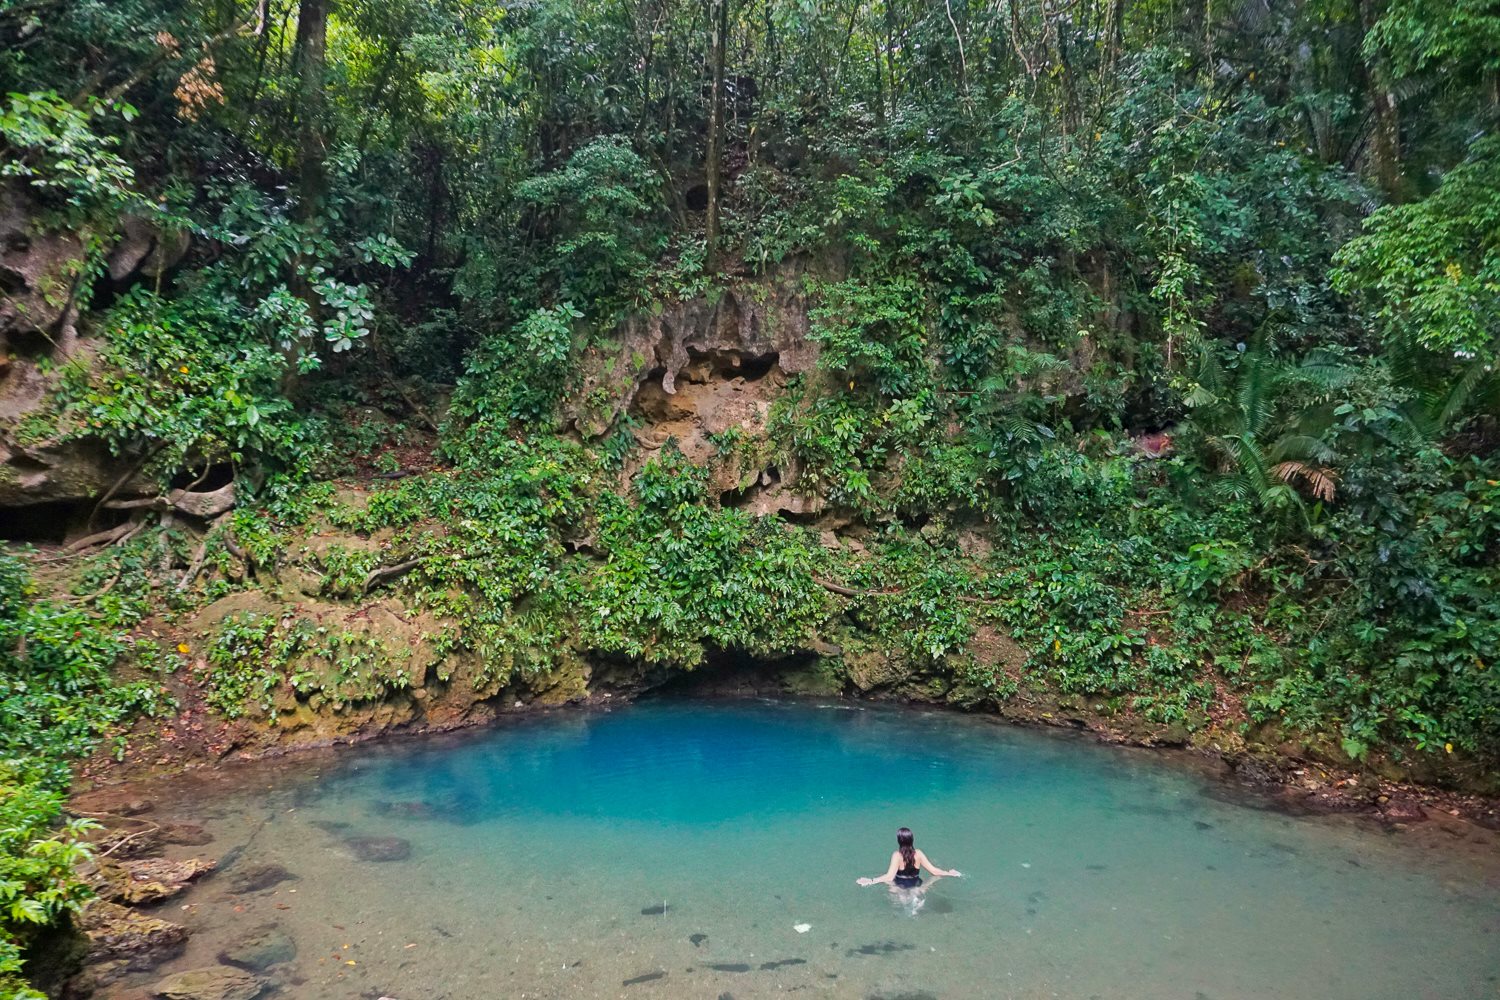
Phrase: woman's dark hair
(904,842)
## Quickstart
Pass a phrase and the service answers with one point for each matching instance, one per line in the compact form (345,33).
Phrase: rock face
(43,276)
(703,374)
(260,949)
(40,272)
(747,331)
(379,848)
(144,251)
(217,982)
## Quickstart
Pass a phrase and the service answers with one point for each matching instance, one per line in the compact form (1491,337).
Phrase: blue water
(674,849)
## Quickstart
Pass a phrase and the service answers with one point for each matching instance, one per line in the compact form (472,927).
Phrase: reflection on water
(692,850)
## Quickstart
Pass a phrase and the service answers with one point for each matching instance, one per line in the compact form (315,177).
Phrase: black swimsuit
(909,877)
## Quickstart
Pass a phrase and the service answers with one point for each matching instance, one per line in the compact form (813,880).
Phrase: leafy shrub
(57,699)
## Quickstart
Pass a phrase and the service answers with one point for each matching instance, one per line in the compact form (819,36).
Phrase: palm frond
(1231,488)
(1470,384)
(1253,391)
(1302,447)
(1321,482)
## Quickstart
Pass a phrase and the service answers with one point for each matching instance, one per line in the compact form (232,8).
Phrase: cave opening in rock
(734,672)
(204,480)
(54,522)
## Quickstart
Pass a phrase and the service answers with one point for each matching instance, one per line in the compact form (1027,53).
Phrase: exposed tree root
(387,572)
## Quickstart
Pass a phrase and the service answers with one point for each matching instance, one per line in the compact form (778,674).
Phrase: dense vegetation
(1189,311)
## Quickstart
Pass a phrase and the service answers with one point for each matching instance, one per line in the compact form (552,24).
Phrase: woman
(906,863)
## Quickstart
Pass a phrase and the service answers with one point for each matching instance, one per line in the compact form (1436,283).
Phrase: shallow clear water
(671,849)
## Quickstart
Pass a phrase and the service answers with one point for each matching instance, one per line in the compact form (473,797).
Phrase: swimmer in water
(906,864)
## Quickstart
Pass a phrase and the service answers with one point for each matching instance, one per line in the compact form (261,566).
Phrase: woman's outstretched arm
(890,873)
(922,860)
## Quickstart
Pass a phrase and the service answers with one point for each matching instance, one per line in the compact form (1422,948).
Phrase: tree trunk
(718,28)
(1385,140)
(312,145)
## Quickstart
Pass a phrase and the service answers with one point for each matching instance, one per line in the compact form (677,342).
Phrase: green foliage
(1403,652)
(254,656)
(57,699)
(176,380)
(683,579)
(1120,358)
(518,377)
(53,148)
(601,209)
(38,882)
(1430,271)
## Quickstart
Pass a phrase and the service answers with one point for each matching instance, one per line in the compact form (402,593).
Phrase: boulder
(127,838)
(379,848)
(873,669)
(127,940)
(150,880)
(143,249)
(216,982)
(259,949)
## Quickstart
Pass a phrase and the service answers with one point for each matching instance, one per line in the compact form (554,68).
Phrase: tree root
(387,572)
(207,505)
(196,566)
(99,538)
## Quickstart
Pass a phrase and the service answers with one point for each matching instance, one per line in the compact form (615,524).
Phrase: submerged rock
(216,982)
(379,848)
(259,949)
(186,835)
(413,809)
(256,878)
(127,838)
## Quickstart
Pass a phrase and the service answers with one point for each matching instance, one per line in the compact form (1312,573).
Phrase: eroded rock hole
(806,516)
(655,404)
(742,495)
(720,366)
(752,369)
